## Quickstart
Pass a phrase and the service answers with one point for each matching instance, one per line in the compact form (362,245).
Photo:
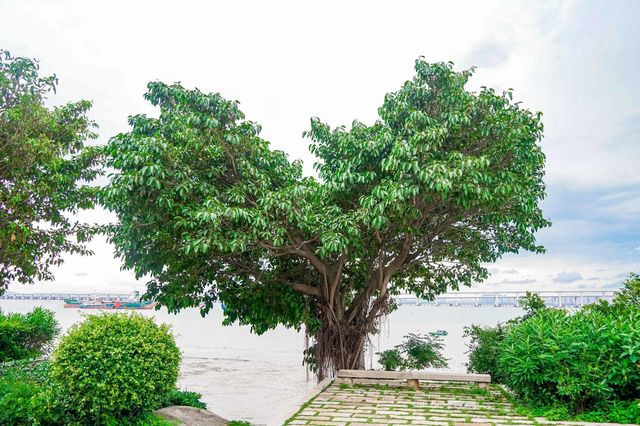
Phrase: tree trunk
(339,344)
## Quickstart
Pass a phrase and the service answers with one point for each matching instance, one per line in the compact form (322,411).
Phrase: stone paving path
(433,404)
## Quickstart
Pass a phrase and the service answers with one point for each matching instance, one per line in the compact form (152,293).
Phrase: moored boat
(71,303)
(132,302)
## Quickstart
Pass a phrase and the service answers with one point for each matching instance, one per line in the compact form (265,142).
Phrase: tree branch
(303,288)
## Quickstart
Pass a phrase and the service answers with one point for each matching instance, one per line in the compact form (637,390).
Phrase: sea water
(242,376)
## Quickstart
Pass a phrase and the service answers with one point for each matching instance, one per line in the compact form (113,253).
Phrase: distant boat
(439,333)
(133,302)
(72,303)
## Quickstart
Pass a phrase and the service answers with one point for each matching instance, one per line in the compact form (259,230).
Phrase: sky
(576,61)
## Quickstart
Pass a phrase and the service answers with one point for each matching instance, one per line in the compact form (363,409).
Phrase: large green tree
(44,170)
(445,181)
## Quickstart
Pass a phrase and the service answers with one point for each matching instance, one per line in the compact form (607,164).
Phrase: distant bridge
(462,298)
(62,296)
(510,298)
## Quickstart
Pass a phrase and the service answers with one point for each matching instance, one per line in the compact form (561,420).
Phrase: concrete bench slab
(443,376)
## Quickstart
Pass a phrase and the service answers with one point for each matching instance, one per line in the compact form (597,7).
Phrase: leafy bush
(147,419)
(115,366)
(484,349)
(627,412)
(26,335)
(584,366)
(28,397)
(484,345)
(180,397)
(16,395)
(591,357)
(630,292)
(415,353)
(391,359)
(531,303)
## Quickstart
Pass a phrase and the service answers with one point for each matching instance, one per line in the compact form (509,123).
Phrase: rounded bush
(115,366)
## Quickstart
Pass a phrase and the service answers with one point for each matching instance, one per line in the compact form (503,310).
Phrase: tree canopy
(444,182)
(44,170)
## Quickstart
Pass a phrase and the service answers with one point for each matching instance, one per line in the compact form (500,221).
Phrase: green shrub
(591,357)
(626,412)
(16,399)
(485,342)
(484,348)
(28,397)
(630,292)
(415,353)
(147,419)
(531,303)
(26,335)
(391,359)
(180,397)
(115,366)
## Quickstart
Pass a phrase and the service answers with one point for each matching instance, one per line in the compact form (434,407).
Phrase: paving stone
(436,404)
(312,418)
(368,424)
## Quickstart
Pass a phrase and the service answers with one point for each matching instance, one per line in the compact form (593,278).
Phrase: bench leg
(413,384)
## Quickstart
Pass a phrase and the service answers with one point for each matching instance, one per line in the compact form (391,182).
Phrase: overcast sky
(577,62)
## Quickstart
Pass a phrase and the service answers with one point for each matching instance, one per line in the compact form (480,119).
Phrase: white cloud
(567,277)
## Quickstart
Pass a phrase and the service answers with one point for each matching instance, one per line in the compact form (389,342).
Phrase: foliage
(484,344)
(444,182)
(238,423)
(484,348)
(581,360)
(180,397)
(623,412)
(391,359)
(422,351)
(532,303)
(416,352)
(44,170)
(115,366)
(28,397)
(583,367)
(146,419)
(630,292)
(627,412)
(26,335)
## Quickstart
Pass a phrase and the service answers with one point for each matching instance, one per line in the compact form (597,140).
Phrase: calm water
(258,378)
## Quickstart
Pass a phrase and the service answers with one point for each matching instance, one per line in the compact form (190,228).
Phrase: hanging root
(340,345)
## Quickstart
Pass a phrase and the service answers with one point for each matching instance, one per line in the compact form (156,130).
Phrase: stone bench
(413,377)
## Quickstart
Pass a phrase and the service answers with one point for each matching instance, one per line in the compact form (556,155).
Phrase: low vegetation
(582,366)
(24,336)
(181,397)
(112,369)
(414,353)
